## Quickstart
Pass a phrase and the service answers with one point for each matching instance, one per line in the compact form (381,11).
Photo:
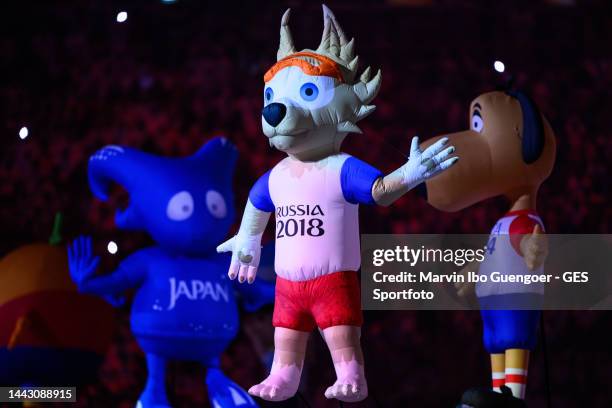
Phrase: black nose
(274,113)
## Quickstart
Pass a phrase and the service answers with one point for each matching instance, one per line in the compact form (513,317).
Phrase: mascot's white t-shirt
(316,213)
(503,255)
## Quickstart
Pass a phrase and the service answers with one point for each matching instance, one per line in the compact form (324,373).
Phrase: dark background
(175,75)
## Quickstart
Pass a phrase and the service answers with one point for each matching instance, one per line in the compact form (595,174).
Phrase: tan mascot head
(508,150)
(312,98)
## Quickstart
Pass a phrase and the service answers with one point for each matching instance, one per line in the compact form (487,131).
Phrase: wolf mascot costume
(312,100)
(184,307)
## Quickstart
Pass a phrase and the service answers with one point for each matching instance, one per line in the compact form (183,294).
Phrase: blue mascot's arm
(261,291)
(130,274)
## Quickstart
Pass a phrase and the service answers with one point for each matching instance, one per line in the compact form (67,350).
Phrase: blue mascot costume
(184,307)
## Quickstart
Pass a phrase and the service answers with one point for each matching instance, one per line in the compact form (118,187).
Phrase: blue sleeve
(356,179)
(130,274)
(259,195)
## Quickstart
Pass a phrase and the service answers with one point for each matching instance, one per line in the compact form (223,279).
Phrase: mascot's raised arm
(312,100)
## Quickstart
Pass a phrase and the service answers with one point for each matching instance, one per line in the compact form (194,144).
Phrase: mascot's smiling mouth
(289,133)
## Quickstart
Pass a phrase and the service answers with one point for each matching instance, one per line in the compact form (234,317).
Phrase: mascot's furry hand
(534,247)
(421,165)
(425,164)
(246,251)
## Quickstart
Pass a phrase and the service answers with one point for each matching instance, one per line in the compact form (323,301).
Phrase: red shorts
(330,300)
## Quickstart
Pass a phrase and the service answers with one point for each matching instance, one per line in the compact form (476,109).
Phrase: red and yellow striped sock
(517,362)
(498,374)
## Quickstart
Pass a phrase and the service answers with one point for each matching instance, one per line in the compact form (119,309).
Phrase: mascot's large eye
(477,123)
(309,92)
(180,206)
(216,204)
(268,94)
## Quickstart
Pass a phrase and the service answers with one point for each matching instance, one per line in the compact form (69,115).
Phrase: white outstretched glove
(425,164)
(246,251)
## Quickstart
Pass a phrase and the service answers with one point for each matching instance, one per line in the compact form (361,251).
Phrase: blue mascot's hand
(83,265)
(81,262)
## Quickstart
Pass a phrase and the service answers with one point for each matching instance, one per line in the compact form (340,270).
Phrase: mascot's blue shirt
(181,296)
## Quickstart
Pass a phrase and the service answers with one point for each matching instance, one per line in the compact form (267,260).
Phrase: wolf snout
(274,113)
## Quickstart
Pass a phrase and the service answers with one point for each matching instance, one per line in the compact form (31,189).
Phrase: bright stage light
(122,16)
(112,247)
(499,66)
(23,133)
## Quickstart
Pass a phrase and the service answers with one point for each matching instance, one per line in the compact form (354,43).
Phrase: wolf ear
(286,47)
(366,89)
(220,154)
(335,42)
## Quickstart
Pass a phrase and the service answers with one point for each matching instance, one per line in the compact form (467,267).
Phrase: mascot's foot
(348,390)
(144,403)
(274,388)
(224,393)
(487,398)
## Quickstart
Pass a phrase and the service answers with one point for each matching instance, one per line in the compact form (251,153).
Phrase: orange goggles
(324,66)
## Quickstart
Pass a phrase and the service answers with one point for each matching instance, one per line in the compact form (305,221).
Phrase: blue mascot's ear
(533,130)
(129,219)
(220,154)
(107,166)
(124,166)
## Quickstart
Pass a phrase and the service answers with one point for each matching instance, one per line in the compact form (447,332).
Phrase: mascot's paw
(348,390)
(487,398)
(274,388)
